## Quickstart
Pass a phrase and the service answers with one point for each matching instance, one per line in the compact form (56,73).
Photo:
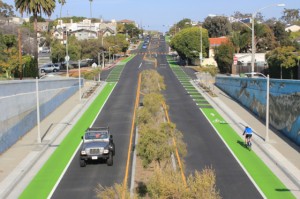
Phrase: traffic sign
(235,60)
(67,58)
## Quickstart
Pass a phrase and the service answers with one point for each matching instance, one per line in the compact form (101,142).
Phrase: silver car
(49,68)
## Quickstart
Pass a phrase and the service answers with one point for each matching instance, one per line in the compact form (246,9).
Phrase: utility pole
(102,59)
(20,52)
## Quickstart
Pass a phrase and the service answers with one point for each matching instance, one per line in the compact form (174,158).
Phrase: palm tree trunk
(60,10)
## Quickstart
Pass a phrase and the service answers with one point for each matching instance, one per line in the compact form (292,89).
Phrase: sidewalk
(279,154)
(20,163)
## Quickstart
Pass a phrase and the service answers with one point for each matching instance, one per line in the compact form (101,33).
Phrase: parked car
(255,75)
(49,68)
(45,50)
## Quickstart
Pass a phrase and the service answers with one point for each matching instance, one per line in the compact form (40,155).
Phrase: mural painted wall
(284,101)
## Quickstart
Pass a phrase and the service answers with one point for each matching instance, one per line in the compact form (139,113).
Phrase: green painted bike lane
(45,180)
(264,178)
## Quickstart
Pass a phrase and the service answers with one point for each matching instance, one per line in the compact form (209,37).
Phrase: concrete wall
(18,103)
(284,101)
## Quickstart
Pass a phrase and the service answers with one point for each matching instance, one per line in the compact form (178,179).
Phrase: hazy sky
(158,14)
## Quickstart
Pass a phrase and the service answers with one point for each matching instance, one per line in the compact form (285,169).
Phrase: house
(215,42)
(243,63)
(126,21)
(107,32)
(83,34)
(42,26)
(85,29)
(293,28)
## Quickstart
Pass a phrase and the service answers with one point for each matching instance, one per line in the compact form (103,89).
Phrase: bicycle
(248,132)
(249,144)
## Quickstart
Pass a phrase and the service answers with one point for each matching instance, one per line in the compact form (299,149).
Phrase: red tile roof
(213,42)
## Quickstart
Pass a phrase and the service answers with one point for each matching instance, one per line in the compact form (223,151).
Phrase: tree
(121,28)
(224,57)
(6,10)
(10,62)
(184,23)
(39,19)
(62,3)
(290,15)
(58,51)
(187,43)
(281,36)
(264,38)
(282,62)
(9,40)
(74,48)
(119,41)
(239,41)
(35,7)
(90,48)
(217,26)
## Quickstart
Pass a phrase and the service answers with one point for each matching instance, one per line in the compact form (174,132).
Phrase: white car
(255,75)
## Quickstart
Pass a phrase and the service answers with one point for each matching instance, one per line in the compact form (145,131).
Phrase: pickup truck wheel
(114,149)
(110,161)
(54,70)
(82,163)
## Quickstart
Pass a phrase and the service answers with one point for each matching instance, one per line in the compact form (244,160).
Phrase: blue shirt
(248,130)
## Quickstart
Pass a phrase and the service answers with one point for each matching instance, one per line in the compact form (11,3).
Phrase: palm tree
(35,7)
(91,7)
(62,3)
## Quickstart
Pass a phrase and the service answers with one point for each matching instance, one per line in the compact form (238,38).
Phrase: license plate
(94,157)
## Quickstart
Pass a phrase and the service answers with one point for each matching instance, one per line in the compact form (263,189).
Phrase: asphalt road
(117,114)
(205,148)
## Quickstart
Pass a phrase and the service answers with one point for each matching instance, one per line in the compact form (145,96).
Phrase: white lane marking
(66,168)
(140,65)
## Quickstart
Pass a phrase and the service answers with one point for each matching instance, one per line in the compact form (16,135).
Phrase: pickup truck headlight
(83,152)
(106,151)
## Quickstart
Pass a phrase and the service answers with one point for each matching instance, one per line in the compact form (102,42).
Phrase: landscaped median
(46,178)
(264,178)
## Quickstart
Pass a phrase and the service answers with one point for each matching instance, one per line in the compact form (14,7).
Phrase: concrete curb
(17,177)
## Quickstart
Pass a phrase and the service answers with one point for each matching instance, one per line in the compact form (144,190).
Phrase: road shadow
(282,190)
(141,189)
(242,144)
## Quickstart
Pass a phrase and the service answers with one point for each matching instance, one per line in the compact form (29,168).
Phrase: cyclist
(248,134)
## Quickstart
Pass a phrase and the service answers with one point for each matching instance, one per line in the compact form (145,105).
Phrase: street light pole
(267,109)
(253,37)
(67,53)
(200,55)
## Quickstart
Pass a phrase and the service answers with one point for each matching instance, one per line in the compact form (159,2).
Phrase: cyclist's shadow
(242,144)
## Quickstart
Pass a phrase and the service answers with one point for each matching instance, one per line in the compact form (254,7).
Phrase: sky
(161,14)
